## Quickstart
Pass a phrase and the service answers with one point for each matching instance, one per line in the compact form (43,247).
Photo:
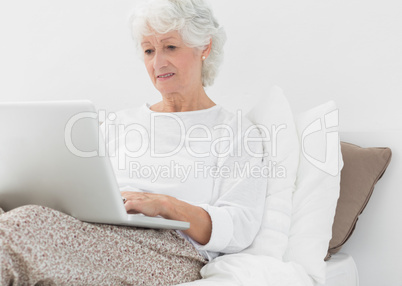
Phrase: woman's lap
(41,244)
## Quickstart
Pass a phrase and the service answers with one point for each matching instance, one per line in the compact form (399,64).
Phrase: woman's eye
(148,52)
(170,47)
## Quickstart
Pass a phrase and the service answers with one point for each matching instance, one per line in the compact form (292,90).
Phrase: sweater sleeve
(240,185)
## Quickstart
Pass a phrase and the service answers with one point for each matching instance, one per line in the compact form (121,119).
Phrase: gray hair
(194,21)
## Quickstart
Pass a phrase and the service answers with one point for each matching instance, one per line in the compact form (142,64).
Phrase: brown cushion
(363,167)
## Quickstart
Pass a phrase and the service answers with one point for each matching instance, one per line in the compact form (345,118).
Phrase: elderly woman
(209,179)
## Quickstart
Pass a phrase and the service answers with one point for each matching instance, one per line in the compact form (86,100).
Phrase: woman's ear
(207,50)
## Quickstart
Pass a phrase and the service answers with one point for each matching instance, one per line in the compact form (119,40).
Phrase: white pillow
(275,120)
(317,189)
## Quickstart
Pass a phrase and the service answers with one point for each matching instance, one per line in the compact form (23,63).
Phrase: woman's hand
(171,208)
(146,203)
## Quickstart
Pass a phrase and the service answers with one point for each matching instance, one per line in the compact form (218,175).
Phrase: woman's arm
(171,208)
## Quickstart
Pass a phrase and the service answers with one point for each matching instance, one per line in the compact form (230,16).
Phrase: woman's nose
(160,60)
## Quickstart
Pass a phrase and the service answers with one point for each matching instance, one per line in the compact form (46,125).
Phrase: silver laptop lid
(49,156)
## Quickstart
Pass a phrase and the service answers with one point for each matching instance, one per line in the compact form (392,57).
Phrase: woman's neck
(175,102)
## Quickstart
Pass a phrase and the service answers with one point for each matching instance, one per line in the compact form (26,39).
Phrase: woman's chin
(165,90)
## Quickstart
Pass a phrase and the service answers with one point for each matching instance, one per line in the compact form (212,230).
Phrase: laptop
(51,154)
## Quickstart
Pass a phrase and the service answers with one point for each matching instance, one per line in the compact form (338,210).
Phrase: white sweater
(182,154)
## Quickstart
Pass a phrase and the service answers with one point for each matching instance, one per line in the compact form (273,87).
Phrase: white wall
(375,243)
(316,50)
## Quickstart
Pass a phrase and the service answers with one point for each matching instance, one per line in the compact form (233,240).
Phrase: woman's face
(172,66)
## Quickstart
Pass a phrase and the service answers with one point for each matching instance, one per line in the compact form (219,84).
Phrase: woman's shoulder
(235,118)
(245,136)
(130,114)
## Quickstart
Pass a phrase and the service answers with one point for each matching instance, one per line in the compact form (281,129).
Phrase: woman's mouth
(165,76)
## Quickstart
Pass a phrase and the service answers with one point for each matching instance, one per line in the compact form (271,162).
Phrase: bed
(341,270)
(318,224)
